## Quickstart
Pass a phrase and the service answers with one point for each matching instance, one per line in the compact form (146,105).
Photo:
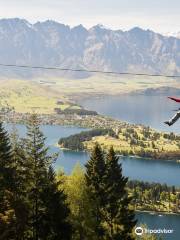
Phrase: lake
(145,110)
(135,168)
(148,110)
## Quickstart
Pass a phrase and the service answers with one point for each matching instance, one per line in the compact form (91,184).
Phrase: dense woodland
(31,205)
(133,140)
(154,196)
(35,205)
(75,142)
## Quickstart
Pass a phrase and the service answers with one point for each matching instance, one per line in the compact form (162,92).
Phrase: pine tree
(36,174)
(7,172)
(120,220)
(109,197)
(95,174)
(41,179)
(57,212)
(21,202)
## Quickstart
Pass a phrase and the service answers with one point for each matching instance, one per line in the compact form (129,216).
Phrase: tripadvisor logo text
(140,231)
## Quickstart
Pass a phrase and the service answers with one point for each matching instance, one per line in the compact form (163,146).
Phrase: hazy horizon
(158,16)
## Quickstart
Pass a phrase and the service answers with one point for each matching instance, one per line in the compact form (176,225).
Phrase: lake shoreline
(147,158)
(90,122)
(120,156)
(166,213)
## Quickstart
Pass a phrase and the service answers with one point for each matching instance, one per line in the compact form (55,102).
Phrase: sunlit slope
(26,96)
(140,141)
(101,84)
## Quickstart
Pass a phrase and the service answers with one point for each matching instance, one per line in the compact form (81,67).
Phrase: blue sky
(159,15)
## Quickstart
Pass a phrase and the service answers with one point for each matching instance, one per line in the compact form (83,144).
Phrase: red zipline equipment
(175,99)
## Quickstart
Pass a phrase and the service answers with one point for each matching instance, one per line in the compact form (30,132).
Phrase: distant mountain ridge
(53,44)
(161,91)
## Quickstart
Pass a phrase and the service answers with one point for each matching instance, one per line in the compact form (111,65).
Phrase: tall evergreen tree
(7,172)
(57,211)
(37,166)
(21,203)
(42,180)
(120,220)
(95,176)
(109,197)
(6,167)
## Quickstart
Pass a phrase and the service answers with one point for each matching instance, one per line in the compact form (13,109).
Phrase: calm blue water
(149,110)
(67,159)
(134,168)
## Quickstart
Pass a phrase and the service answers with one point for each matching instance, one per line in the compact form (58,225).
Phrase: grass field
(104,85)
(25,96)
(135,140)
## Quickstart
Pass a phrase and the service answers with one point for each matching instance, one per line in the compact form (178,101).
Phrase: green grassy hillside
(130,140)
(27,97)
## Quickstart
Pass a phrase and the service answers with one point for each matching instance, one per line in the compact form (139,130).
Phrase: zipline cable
(87,71)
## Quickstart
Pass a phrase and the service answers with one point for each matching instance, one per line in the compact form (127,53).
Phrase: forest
(75,142)
(38,203)
(154,197)
(129,140)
